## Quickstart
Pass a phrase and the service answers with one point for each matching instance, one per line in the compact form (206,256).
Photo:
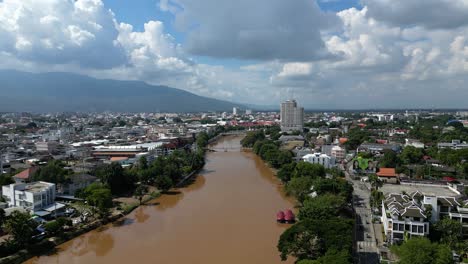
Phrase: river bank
(126,206)
(226,215)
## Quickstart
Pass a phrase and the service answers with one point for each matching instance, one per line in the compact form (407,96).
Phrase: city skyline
(333,54)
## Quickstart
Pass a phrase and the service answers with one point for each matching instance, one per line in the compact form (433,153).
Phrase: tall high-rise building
(234,110)
(292,116)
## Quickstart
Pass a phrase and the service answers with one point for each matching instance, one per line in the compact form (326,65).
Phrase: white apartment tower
(292,116)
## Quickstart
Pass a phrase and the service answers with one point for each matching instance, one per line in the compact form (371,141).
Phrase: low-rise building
(46,147)
(25,175)
(319,158)
(404,214)
(76,182)
(338,152)
(387,175)
(36,197)
(414,143)
(455,144)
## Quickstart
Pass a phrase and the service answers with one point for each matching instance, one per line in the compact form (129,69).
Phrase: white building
(36,197)
(455,144)
(404,214)
(414,143)
(234,110)
(338,152)
(319,158)
(409,213)
(48,147)
(292,116)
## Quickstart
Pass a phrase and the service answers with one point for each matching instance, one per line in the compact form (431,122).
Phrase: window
(407,227)
(421,229)
(401,227)
(414,229)
(416,219)
(395,226)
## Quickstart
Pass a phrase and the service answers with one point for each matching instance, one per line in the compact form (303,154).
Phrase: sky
(327,54)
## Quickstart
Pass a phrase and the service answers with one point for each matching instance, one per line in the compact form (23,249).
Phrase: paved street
(366,246)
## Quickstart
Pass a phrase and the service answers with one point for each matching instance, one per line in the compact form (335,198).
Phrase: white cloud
(425,13)
(363,60)
(60,31)
(245,29)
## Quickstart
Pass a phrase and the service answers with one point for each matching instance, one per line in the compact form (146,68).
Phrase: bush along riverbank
(120,191)
(323,232)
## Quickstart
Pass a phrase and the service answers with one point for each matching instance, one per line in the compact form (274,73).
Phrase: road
(366,246)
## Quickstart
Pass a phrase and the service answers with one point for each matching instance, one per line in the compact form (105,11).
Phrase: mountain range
(67,92)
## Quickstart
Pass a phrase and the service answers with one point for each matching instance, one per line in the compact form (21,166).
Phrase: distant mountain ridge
(67,92)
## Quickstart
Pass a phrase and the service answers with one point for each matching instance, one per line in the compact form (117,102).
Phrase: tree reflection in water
(99,242)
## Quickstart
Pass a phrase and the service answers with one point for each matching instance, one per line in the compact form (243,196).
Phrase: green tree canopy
(422,251)
(21,227)
(322,207)
(311,239)
(299,187)
(451,231)
(306,169)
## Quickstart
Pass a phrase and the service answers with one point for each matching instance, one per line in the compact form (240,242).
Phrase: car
(39,236)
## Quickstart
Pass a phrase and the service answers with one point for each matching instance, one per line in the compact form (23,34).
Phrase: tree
(305,169)
(115,177)
(375,182)
(252,137)
(422,251)
(411,155)
(143,162)
(202,140)
(6,179)
(140,191)
(21,227)
(450,231)
(163,183)
(331,257)
(286,171)
(311,239)
(376,198)
(322,207)
(334,186)
(56,227)
(389,159)
(299,187)
(2,218)
(52,172)
(99,196)
(284,157)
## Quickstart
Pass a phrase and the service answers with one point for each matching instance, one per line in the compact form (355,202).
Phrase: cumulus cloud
(60,31)
(260,30)
(382,65)
(425,13)
(355,58)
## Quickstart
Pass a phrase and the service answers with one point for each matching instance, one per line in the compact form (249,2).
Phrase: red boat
(289,216)
(280,217)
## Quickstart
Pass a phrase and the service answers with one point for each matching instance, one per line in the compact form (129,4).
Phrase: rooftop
(425,190)
(37,186)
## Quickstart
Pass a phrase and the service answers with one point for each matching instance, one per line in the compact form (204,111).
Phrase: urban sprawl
(371,186)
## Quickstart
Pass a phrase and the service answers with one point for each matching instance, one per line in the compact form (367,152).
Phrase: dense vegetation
(323,233)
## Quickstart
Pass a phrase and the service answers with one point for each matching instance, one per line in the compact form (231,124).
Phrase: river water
(226,216)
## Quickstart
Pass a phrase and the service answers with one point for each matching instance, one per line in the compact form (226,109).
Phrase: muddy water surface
(226,216)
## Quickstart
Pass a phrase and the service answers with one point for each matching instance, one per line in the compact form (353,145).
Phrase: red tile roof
(26,174)
(386,172)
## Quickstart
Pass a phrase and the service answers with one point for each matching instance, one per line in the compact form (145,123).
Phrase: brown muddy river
(226,216)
